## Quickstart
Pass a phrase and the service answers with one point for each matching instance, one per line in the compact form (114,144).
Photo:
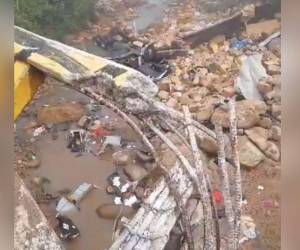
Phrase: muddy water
(65,170)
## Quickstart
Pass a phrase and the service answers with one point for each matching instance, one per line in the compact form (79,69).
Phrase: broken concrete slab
(31,228)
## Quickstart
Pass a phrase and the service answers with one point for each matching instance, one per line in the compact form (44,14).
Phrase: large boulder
(210,145)
(122,158)
(250,155)
(248,114)
(259,136)
(135,172)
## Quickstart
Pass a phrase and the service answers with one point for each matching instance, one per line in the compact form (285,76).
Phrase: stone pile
(208,75)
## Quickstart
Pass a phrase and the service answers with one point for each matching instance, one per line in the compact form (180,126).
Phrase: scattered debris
(80,193)
(112,140)
(38,131)
(64,207)
(118,200)
(84,121)
(67,228)
(260,187)
(269,40)
(238,45)
(248,229)
(70,204)
(75,140)
(252,72)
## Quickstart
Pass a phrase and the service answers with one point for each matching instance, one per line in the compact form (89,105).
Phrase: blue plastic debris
(239,44)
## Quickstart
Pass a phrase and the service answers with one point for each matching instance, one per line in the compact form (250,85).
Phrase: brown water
(65,170)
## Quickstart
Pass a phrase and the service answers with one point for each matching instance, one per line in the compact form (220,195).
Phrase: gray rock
(276,110)
(265,122)
(39,181)
(272,151)
(33,163)
(250,155)
(136,105)
(205,108)
(122,158)
(139,192)
(276,133)
(248,113)
(135,172)
(258,136)
(264,87)
(208,144)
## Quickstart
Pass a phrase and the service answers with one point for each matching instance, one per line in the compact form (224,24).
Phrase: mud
(66,170)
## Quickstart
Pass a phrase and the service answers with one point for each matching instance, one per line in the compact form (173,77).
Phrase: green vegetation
(53,18)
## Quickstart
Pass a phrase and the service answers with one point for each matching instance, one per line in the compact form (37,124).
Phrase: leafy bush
(53,18)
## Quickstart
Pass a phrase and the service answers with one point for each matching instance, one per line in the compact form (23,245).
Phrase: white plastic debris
(116,181)
(38,131)
(80,192)
(251,72)
(247,228)
(66,226)
(269,39)
(65,206)
(125,187)
(244,202)
(118,200)
(260,187)
(112,140)
(130,201)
